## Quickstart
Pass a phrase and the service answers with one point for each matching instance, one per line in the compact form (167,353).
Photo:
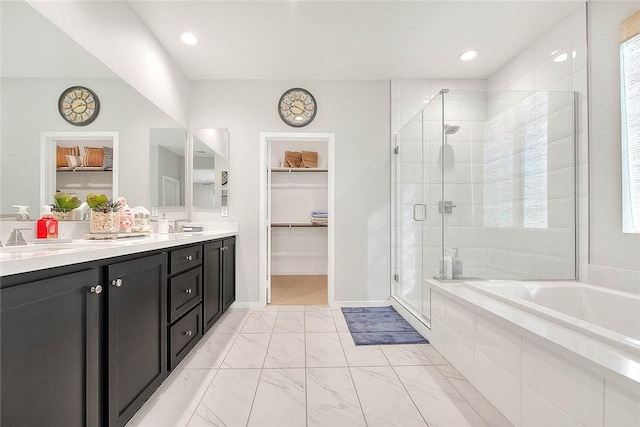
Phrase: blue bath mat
(379,325)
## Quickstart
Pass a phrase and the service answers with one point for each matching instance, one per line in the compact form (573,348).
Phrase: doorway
(297,211)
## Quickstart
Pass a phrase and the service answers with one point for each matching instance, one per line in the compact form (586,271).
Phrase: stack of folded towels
(319,217)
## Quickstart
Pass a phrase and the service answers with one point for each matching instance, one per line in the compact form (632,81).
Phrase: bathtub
(608,314)
(543,353)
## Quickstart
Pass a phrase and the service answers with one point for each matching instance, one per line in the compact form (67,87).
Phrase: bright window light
(630,115)
(188,38)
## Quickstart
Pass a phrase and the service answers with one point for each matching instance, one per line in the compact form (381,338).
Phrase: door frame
(265,227)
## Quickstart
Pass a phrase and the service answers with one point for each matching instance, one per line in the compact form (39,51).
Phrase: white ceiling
(309,39)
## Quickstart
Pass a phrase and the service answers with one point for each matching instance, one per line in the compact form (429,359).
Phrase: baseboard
(360,303)
(246,305)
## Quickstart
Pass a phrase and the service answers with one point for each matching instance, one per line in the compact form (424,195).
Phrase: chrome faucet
(23,216)
(16,238)
(177,227)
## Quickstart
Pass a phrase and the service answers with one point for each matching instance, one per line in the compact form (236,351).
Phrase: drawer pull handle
(97,289)
(188,290)
(188,333)
(117,283)
(188,258)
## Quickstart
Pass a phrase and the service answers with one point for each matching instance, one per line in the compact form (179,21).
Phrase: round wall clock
(297,107)
(79,105)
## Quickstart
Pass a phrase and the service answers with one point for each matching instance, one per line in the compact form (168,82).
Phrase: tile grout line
(255,393)
(212,334)
(393,368)
(364,417)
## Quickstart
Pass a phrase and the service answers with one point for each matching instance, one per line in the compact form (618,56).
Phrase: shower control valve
(446,206)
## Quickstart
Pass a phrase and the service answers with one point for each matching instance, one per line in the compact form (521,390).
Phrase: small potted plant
(104,216)
(63,206)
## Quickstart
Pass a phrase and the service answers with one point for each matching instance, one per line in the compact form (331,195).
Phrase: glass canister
(104,221)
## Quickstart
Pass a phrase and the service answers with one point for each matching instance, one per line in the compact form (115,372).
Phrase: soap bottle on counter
(457,265)
(163,225)
(47,225)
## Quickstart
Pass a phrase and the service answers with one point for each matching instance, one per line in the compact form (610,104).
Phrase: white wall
(116,36)
(615,256)
(358,113)
(29,107)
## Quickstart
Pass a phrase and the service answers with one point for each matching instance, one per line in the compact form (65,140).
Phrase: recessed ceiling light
(468,55)
(188,38)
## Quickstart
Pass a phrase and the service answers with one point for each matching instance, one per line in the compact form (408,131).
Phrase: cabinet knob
(188,258)
(188,333)
(188,291)
(117,283)
(97,289)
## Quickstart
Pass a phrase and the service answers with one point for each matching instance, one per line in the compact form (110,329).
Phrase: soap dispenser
(457,265)
(163,225)
(47,225)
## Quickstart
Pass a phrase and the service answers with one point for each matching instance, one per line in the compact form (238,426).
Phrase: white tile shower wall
(465,107)
(555,62)
(527,381)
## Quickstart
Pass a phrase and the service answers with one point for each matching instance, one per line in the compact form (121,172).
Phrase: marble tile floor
(297,366)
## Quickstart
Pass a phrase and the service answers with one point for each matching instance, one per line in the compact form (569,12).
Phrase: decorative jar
(104,221)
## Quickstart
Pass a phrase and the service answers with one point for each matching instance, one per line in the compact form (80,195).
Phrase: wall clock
(79,105)
(297,107)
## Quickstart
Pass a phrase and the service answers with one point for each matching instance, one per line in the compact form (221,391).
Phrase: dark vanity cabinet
(50,351)
(219,279)
(86,345)
(212,283)
(185,302)
(228,272)
(137,337)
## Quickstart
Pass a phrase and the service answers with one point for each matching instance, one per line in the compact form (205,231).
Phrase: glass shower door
(417,240)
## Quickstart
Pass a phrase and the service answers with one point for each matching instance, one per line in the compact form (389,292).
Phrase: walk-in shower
(491,174)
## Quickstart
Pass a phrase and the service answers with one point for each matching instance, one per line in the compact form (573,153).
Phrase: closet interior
(298,188)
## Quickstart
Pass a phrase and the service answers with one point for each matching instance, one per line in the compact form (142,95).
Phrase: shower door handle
(424,212)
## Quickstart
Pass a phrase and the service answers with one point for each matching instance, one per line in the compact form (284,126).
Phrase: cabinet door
(137,334)
(228,272)
(212,280)
(49,350)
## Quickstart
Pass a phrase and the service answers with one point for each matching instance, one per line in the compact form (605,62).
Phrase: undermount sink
(44,247)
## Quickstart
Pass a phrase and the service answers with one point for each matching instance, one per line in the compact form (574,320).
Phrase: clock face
(297,107)
(79,105)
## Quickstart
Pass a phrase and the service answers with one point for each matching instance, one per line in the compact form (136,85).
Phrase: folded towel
(319,211)
(320,216)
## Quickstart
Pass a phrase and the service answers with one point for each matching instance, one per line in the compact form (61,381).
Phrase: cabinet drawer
(185,291)
(184,259)
(184,335)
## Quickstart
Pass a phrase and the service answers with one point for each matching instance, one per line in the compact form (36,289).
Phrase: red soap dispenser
(47,225)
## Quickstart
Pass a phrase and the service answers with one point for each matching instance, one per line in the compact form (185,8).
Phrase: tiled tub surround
(534,369)
(297,365)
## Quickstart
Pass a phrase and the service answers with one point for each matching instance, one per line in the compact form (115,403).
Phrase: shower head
(450,130)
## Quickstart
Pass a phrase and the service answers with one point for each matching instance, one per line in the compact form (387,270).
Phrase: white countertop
(40,256)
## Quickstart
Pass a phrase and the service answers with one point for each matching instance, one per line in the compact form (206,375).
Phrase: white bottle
(446,266)
(163,225)
(457,265)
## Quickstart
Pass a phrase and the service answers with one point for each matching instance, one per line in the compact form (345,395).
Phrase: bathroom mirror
(167,167)
(210,151)
(38,62)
